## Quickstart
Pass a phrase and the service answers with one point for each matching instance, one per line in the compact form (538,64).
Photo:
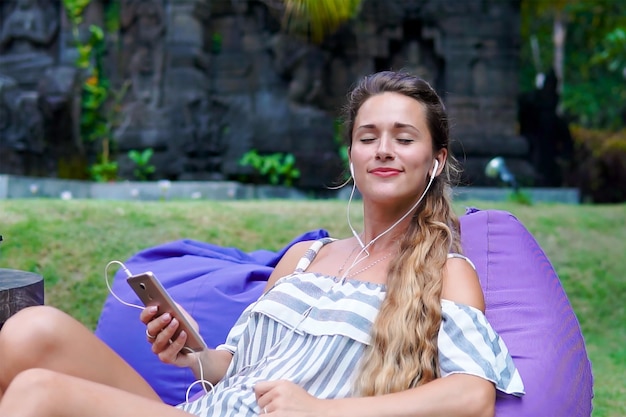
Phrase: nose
(384,150)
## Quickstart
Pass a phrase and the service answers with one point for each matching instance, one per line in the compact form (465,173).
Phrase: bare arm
(456,395)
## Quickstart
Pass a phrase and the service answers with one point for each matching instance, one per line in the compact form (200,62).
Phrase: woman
(386,322)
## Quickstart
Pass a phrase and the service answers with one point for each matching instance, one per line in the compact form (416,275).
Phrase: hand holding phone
(152,293)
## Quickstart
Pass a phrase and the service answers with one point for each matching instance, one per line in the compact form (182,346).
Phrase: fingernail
(152,309)
(165,317)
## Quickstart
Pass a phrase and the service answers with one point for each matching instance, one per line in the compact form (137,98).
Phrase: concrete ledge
(30,187)
(545,195)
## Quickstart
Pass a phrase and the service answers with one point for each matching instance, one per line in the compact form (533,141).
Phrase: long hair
(403,351)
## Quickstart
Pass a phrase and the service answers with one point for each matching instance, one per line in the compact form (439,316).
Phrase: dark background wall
(210,80)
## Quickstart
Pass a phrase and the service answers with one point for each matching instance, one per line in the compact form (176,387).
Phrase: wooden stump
(18,289)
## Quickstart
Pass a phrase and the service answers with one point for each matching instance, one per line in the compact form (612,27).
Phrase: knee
(32,389)
(31,330)
(32,380)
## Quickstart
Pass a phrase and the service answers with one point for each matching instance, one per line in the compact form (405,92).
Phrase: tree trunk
(18,289)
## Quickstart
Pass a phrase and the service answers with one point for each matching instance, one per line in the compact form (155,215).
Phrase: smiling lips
(385,172)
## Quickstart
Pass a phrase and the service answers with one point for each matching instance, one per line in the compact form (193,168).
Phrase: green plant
(104,171)
(100,104)
(276,168)
(143,168)
(613,52)
(74,10)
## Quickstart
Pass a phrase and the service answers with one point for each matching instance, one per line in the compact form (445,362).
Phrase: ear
(441,157)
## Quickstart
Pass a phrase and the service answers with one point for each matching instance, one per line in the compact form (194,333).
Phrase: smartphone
(151,292)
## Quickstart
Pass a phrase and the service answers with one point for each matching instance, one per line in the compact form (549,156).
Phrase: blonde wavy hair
(403,351)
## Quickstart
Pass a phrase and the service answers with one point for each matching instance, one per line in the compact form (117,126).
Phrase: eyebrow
(396,125)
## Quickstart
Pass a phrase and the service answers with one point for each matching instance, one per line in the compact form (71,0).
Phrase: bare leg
(44,393)
(44,337)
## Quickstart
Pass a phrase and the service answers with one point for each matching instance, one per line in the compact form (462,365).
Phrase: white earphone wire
(363,246)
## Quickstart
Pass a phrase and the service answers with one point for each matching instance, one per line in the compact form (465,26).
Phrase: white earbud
(351,169)
(435,168)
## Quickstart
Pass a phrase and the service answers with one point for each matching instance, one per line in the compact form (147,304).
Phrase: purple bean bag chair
(525,304)
(214,284)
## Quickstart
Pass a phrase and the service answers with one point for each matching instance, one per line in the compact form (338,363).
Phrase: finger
(156,326)
(163,328)
(263,387)
(149,335)
(171,354)
(147,314)
(176,345)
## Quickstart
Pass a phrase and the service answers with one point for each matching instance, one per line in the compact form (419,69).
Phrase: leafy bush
(104,171)
(600,164)
(276,168)
(143,168)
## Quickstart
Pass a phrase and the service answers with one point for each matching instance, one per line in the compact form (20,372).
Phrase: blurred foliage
(600,164)
(276,168)
(100,103)
(613,52)
(74,10)
(93,121)
(141,159)
(104,170)
(593,86)
(315,19)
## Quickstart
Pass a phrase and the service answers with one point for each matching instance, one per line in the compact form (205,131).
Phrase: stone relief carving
(21,126)
(301,64)
(415,63)
(143,25)
(27,33)
(204,127)
(9,129)
(28,27)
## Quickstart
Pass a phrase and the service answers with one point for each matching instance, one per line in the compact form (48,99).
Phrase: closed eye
(405,141)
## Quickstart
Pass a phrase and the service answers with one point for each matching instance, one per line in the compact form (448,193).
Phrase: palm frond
(318,18)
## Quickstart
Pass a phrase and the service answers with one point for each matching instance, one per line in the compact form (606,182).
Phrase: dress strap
(458,255)
(311,253)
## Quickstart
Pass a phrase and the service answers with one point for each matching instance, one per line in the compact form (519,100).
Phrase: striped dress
(312,330)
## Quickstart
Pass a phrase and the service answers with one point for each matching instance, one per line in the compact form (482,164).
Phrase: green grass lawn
(70,242)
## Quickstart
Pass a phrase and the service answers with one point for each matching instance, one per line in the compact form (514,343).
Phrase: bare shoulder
(289,261)
(461,284)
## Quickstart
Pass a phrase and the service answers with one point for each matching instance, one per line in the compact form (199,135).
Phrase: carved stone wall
(213,79)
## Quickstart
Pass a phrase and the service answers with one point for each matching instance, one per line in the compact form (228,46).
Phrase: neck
(379,231)
(376,244)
